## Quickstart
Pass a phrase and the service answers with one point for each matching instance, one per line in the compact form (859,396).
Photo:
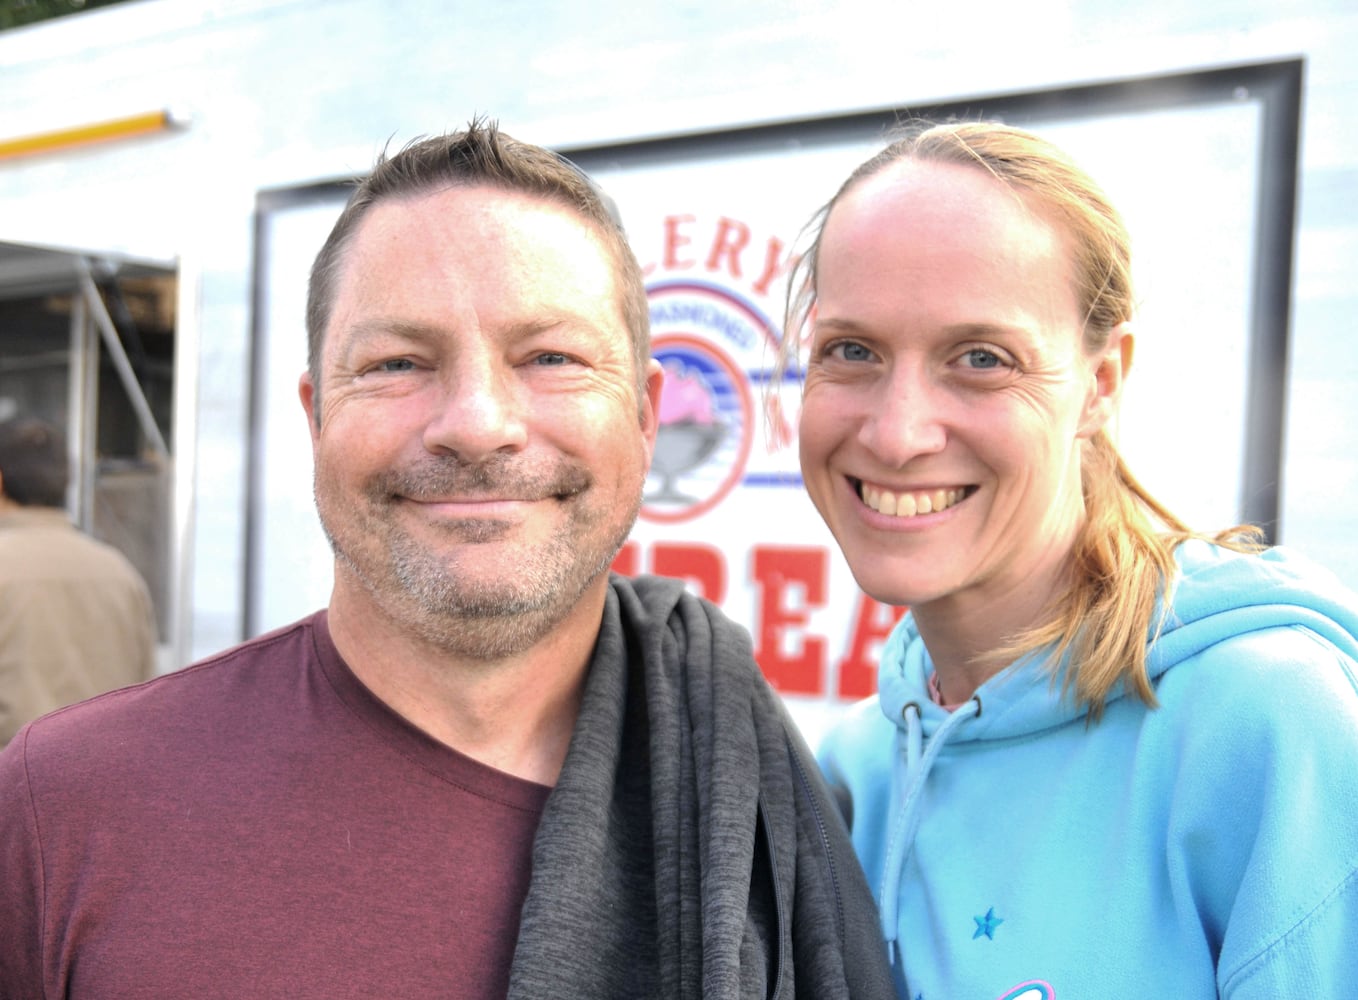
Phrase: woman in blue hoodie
(1110,756)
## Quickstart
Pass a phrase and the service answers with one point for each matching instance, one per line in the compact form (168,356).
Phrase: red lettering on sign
(791,583)
(674,239)
(627,561)
(873,622)
(731,238)
(726,253)
(700,565)
(774,265)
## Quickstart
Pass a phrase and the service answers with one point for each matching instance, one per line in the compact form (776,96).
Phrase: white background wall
(287,92)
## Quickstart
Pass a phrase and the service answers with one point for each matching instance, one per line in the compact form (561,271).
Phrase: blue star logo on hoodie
(986,925)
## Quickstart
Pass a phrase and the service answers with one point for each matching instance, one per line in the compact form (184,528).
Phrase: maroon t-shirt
(257,825)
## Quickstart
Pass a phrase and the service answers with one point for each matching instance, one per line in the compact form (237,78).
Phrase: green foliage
(16,13)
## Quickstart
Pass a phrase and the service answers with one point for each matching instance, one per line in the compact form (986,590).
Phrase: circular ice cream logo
(704,434)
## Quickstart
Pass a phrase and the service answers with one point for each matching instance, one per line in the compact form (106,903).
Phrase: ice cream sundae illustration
(689,430)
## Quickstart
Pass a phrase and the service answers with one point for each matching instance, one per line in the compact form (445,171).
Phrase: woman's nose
(903,421)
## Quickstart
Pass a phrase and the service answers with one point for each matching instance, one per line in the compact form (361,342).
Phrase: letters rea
(789,583)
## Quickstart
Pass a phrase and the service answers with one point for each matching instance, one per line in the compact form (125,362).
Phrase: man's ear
(650,404)
(1110,371)
(306,391)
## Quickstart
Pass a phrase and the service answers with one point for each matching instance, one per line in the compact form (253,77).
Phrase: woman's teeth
(912,503)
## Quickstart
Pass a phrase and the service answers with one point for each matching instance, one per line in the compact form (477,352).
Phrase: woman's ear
(1110,370)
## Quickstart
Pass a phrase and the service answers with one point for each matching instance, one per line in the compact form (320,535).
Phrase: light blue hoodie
(1206,848)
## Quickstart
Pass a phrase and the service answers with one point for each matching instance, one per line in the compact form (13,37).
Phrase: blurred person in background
(487,768)
(1110,756)
(75,617)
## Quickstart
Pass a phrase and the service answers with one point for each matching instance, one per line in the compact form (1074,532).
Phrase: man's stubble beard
(486,615)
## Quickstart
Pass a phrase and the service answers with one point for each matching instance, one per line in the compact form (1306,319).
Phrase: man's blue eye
(551,359)
(397,365)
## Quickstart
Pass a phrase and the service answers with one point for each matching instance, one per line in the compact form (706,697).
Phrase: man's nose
(480,409)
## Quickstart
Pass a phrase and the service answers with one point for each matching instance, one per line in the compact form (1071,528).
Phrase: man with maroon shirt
(488,768)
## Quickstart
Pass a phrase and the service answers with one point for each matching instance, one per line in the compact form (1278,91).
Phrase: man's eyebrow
(392,326)
(567,322)
(383,327)
(367,330)
(353,339)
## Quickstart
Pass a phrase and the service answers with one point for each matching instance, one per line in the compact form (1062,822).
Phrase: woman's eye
(850,351)
(980,358)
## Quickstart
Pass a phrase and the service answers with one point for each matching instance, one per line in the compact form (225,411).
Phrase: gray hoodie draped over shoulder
(689,848)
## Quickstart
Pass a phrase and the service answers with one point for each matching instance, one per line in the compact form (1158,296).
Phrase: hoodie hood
(1221,594)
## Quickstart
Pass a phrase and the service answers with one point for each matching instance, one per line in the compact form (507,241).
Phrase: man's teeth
(910,504)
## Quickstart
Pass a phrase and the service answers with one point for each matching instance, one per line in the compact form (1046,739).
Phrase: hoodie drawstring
(917,766)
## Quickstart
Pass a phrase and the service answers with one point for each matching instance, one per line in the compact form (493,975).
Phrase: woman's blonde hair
(1124,553)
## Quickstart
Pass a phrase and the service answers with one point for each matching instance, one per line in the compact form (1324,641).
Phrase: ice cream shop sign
(724,507)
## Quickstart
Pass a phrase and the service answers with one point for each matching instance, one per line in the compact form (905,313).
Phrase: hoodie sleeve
(1264,816)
